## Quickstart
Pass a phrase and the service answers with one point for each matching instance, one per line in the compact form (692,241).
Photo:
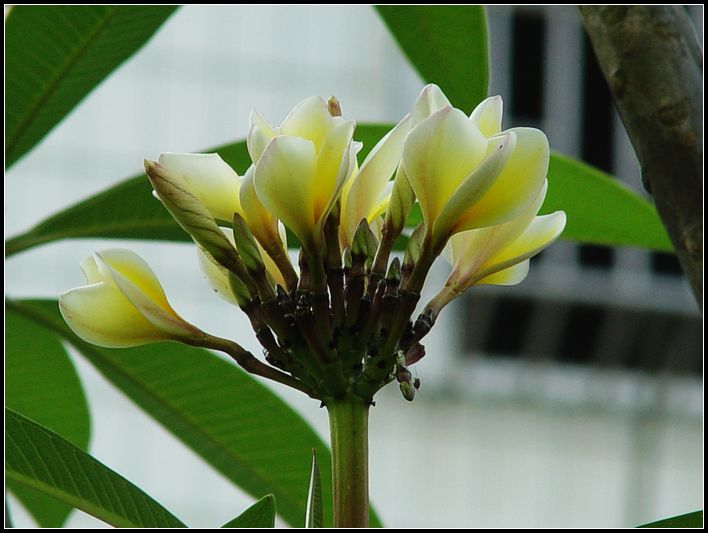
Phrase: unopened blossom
(122,303)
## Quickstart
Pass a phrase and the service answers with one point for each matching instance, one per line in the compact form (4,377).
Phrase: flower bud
(247,246)
(122,305)
(191,214)
(365,242)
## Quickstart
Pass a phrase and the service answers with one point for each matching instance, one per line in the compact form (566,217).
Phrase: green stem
(348,423)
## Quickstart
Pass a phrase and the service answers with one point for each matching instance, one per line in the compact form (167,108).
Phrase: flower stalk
(349,434)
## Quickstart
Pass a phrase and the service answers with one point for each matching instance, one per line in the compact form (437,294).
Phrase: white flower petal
(310,119)
(366,191)
(134,278)
(518,183)
(439,153)
(284,181)
(488,115)
(259,135)
(509,276)
(430,100)
(102,315)
(209,179)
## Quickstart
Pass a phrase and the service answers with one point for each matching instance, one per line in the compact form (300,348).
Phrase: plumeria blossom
(340,326)
(468,174)
(302,166)
(499,254)
(122,304)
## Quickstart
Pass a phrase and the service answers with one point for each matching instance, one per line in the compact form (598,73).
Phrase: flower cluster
(340,323)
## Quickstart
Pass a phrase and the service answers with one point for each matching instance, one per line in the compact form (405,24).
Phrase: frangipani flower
(340,327)
(123,304)
(466,174)
(499,254)
(301,166)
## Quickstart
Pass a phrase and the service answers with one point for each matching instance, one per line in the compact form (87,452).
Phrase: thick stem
(653,64)
(348,425)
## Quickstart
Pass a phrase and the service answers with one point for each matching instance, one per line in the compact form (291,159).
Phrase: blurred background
(572,400)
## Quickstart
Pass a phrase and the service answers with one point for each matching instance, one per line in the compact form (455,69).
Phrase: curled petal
(509,276)
(369,185)
(488,115)
(455,214)
(209,179)
(102,315)
(542,231)
(124,304)
(310,119)
(259,135)
(430,100)
(333,168)
(439,153)
(261,222)
(284,181)
(517,184)
(134,278)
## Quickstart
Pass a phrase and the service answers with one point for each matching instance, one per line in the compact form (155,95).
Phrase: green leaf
(259,515)
(233,422)
(313,518)
(447,45)
(41,383)
(689,520)
(39,458)
(600,209)
(56,55)
(236,424)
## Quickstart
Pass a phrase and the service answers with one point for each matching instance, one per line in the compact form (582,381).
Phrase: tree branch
(653,64)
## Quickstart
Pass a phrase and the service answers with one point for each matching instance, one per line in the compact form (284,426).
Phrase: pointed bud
(191,214)
(393,276)
(246,245)
(239,290)
(412,253)
(402,200)
(333,106)
(347,258)
(365,242)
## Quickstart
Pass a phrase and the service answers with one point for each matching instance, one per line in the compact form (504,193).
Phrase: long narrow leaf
(600,209)
(56,55)
(688,520)
(259,515)
(447,45)
(236,424)
(40,459)
(41,383)
(313,517)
